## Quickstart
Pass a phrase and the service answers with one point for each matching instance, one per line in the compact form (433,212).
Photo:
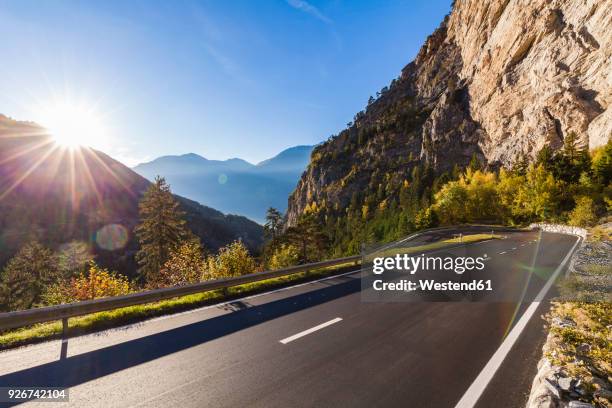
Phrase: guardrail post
(64,350)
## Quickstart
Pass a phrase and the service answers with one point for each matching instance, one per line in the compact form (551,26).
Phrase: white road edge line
(473,393)
(225,303)
(311,330)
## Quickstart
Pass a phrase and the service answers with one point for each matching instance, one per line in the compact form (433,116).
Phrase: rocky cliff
(498,80)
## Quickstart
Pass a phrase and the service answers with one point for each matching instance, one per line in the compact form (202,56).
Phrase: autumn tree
(471,198)
(602,164)
(450,203)
(284,256)
(508,186)
(538,196)
(232,260)
(161,230)
(583,214)
(185,265)
(99,282)
(426,218)
(93,283)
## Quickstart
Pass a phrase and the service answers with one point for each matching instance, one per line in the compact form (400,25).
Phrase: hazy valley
(233,186)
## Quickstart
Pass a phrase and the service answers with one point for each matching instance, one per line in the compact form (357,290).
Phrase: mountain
(497,81)
(58,196)
(292,160)
(234,185)
(192,163)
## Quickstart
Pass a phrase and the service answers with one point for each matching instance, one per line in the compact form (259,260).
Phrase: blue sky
(239,78)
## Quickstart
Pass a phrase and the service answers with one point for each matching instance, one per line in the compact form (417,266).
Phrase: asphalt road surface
(312,345)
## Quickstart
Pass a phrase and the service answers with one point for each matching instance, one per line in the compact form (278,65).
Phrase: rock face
(536,70)
(499,79)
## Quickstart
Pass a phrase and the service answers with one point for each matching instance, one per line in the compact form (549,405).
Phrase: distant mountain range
(233,186)
(57,196)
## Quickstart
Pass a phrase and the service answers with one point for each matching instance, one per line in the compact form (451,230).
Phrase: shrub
(583,214)
(284,256)
(97,283)
(232,260)
(185,265)
(426,218)
(58,293)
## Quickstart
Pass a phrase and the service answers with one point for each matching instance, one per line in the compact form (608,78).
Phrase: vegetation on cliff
(572,186)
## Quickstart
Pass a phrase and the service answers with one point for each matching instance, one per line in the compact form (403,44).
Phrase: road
(316,344)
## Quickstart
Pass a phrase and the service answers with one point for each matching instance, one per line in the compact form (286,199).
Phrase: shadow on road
(79,369)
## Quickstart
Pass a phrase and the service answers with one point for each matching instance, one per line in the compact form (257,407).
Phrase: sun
(72,126)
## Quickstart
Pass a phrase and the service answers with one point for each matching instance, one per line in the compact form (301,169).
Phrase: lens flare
(112,237)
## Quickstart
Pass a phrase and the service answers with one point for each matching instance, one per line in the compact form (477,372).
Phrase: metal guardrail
(28,317)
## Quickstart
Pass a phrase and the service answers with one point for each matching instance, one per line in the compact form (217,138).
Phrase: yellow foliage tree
(185,265)
(538,196)
(471,198)
(232,260)
(285,255)
(97,283)
(583,214)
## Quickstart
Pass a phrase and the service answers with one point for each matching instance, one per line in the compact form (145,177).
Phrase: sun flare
(72,126)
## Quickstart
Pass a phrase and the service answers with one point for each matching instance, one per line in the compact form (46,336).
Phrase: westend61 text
(428,285)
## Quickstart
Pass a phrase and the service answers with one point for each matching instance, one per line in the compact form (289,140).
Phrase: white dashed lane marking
(311,330)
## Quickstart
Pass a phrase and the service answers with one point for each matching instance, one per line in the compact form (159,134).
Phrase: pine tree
(27,274)
(274,223)
(545,157)
(161,230)
(475,163)
(521,164)
(570,146)
(307,235)
(571,161)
